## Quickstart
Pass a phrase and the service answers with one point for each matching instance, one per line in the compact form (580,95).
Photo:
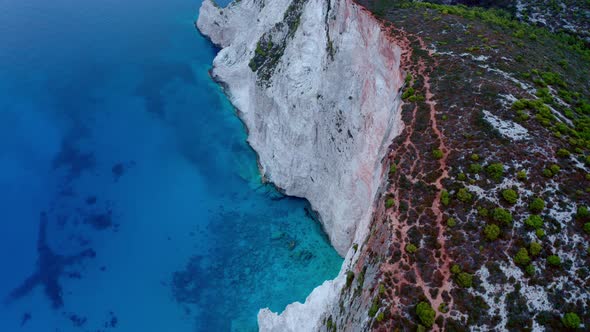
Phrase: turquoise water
(130,200)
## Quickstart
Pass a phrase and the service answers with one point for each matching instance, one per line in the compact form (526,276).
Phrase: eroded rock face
(316,82)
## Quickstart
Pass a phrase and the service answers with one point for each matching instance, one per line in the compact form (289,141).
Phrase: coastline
(324,296)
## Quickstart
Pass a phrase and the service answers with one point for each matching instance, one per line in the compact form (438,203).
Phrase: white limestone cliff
(317,84)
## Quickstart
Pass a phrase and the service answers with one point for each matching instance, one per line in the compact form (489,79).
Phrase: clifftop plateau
(445,149)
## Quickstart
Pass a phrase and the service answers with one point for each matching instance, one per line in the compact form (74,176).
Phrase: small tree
(474,168)
(495,171)
(444,197)
(530,270)
(492,232)
(502,215)
(425,313)
(464,279)
(451,222)
(563,153)
(349,278)
(534,221)
(411,248)
(522,257)
(510,196)
(392,169)
(571,320)
(437,153)
(389,203)
(547,173)
(582,212)
(535,248)
(554,260)
(464,195)
(537,205)
(483,212)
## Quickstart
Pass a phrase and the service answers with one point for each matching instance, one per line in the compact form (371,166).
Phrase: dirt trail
(414,158)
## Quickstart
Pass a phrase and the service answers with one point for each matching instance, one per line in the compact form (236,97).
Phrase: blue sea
(129,198)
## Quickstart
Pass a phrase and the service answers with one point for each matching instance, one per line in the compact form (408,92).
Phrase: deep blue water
(130,199)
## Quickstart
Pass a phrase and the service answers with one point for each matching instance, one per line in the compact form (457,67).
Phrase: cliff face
(317,84)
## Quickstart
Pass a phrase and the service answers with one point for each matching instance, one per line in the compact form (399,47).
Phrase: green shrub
(444,197)
(491,232)
(547,173)
(455,269)
(374,308)
(521,175)
(411,248)
(464,195)
(425,313)
(451,222)
(554,260)
(540,233)
(381,289)
(563,153)
(534,221)
(392,169)
(510,196)
(464,279)
(389,203)
(437,154)
(587,228)
(461,177)
(502,215)
(495,171)
(408,93)
(380,316)
(349,278)
(475,157)
(535,248)
(537,205)
(554,169)
(475,168)
(530,270)
(582,212)
(483,212)
(522,257)
(571,320)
